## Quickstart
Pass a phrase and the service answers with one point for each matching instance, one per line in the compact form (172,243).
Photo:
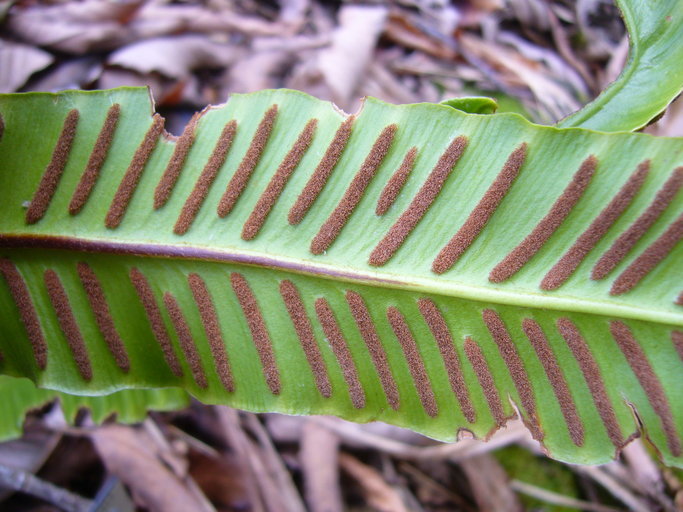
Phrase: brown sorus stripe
(241,177)
(481,369)
(481,214)
(515,365)
(649,259)
(584,244)
(354,193)
(591,373)
(67,322)
(395,184)
(322,172)
(130,180)
(27,311)
(207,312)
(201,189)
(304,330)
(259,332)
(105,322)
(186,340)
(144,291)
(368,332)
(649,381)
(341,352)
(679,300)
(677,338)
(278,181)
(175,164)
(622,245)
(405,224)
(53,172)
(415,362)
(552,369)
(437,324)
(96,160)
(516,259)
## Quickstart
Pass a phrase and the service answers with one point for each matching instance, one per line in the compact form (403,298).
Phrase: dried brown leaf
(256,70)
(319,457)
(174,57)
(378,493)
(95,25)
(353,42)
(73,27)
(28,453)
(399,31)
(221,479)
(490,485)
(272,460)
(18,62)
(129,454)
(78,73)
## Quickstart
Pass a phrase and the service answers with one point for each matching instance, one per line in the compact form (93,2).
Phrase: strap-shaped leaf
(414,264)
(652,76)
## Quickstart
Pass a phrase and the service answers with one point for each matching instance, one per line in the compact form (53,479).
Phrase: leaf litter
(523,52)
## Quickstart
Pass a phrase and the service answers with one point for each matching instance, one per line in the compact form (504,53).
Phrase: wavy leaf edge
(7,240)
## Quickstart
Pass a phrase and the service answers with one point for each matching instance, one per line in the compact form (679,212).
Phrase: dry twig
(21,481)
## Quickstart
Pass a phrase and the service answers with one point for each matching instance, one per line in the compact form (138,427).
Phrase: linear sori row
(416,264)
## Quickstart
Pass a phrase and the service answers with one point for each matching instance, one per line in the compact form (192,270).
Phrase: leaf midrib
(385,279)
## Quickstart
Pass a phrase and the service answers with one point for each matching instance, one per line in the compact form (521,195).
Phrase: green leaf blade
(652,76)
(270,367)
(132,405)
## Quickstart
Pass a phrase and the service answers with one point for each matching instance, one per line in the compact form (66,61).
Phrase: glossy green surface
(19,396)
(652,76)
(214,249)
